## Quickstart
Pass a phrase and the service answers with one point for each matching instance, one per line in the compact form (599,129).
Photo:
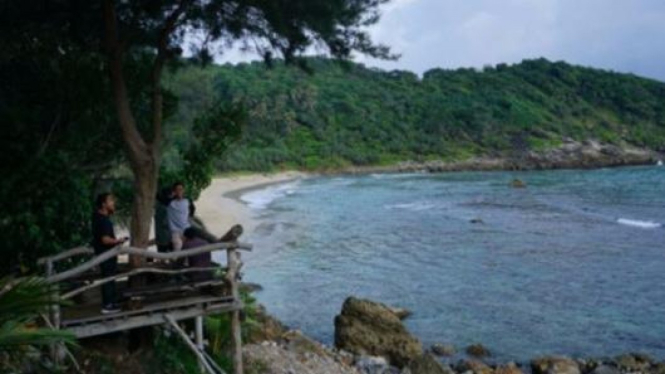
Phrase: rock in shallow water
(477,350)
(428,364)
(633,362)
(473,366)
(554,365)
(446,350)
(605,369)
(401,313)
(510,368)
(368,328)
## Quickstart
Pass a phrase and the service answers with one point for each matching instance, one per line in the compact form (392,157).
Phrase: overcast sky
(622,35)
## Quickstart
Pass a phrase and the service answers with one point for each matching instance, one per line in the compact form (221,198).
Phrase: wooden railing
(231,278)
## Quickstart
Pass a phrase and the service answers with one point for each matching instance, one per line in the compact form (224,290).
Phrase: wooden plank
(107,327)
(143,253)
(150,308)
(167,288)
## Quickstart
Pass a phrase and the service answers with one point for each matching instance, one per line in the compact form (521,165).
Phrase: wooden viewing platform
(166,300)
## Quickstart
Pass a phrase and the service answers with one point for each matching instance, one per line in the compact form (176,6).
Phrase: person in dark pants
(202,260)
(103,239)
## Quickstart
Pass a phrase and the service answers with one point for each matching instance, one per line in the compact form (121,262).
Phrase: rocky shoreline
(371,339)
(571,154)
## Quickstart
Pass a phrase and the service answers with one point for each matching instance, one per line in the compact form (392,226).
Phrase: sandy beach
(219,208)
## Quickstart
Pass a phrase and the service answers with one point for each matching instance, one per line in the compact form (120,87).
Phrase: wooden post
(57,351)
(198,327)
(232,277)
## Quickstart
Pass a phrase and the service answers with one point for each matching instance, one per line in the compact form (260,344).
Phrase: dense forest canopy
(347,114)
(82,97)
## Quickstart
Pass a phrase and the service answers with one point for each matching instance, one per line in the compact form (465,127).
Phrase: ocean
(574,264)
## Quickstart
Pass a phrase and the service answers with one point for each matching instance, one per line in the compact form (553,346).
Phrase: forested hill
(352,115)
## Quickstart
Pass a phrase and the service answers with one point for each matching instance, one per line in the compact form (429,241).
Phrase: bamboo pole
(198,333)
(63,255)
(232,278)
(143,253)
(189,343)
(113,278)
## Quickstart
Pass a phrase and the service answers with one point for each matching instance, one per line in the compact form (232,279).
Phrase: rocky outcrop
(571,154)
(369,328)
(554,365)
(266,328)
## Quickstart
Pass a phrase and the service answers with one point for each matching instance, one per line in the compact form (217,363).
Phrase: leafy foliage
(212,134)
(21,302)
(352,115)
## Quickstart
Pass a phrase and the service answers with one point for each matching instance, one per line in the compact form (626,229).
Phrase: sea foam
(262,198)
(640,224)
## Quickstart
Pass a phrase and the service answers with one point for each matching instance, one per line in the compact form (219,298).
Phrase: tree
(136,40)
(287,27)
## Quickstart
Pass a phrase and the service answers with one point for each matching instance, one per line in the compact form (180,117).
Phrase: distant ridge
(344,116)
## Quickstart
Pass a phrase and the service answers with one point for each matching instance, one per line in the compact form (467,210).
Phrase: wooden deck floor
(84,319)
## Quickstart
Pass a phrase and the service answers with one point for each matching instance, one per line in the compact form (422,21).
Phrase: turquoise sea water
(574,264)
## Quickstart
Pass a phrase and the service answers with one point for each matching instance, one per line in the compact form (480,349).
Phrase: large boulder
(554,365)
(368,328)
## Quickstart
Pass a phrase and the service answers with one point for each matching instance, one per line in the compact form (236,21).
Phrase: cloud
(623,35)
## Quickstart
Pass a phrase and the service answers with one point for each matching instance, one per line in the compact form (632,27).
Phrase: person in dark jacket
(162,230)
(103,239)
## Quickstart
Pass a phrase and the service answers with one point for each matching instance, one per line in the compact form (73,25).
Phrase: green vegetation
(347,114)
(21,303)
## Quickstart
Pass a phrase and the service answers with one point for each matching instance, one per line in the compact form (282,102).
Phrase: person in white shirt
(178,215)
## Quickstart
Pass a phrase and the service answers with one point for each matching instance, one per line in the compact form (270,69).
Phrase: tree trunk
(143,156)
(145,189)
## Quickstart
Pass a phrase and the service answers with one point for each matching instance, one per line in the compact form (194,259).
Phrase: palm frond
(21,302)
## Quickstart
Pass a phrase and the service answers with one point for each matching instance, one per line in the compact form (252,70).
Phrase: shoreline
(220,206)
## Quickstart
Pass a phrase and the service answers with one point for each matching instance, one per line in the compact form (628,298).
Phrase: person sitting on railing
(192,240)
(103,239)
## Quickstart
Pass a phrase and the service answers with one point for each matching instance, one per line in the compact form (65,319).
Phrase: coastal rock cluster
(570,154)
(371,339)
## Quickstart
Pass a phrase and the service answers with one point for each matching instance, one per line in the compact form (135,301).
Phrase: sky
(621,35)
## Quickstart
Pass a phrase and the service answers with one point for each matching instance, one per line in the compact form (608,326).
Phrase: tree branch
(162,55)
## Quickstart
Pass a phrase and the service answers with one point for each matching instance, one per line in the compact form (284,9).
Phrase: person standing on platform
(103,239)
